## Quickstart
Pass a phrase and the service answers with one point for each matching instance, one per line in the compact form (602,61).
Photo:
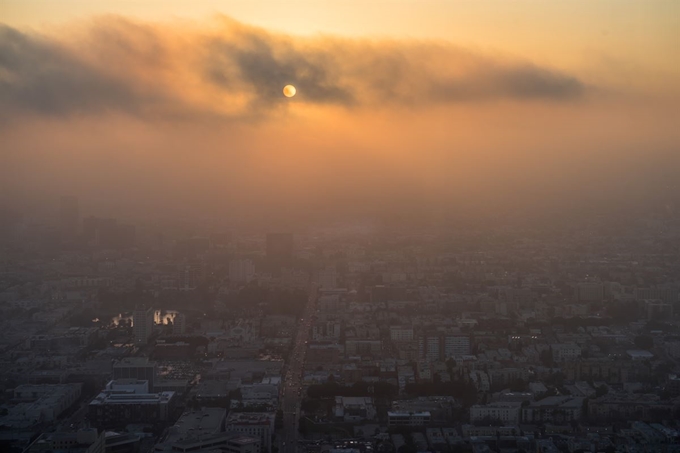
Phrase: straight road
(292,391)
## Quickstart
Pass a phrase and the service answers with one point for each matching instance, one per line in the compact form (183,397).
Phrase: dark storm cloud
(137,69)
(366,72)
(265,66)
(39,76)
(521,82)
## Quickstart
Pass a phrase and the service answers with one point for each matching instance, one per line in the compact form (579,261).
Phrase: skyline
(339,226)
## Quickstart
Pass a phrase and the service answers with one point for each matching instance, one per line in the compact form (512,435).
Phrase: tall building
(456,345)
(179,324)
(108,233)
(142,325)
(188,276)
(439,346)
(658,309)
(666,294)
(328,278)
(280,246)
(401,333)
(241,271)
(139,368)
(69,215)
(432,347)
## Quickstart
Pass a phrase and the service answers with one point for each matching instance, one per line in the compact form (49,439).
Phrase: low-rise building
(508,412)
(113,408)
(403,418)
(354,409)
(563,352)
(253,424)
(553,409)
(46,402)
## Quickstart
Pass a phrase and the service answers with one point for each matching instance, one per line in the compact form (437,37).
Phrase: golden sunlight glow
(289,91)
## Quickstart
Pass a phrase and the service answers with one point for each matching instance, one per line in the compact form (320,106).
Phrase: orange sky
(400,100)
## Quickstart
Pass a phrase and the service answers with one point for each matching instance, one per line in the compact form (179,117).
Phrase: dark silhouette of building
(108,233)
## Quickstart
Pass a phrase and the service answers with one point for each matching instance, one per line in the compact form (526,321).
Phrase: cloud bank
(113,65)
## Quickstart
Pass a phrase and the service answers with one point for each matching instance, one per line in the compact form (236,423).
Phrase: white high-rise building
(142,324)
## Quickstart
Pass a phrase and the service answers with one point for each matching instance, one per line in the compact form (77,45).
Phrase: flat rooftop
(207,420)
(132,398)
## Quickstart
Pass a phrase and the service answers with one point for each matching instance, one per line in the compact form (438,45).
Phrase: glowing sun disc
(289,91)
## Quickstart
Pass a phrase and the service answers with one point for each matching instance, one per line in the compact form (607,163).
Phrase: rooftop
(131,398)
(250,418)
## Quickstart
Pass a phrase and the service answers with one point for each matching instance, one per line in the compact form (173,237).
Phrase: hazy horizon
(140,110)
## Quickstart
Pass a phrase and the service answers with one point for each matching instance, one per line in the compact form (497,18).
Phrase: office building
(117,408)
(179,324)
(86,440)
(241,271)
(46,402)
(142,324)
(456,345)
(401,333)
(669,295)
(553,409)
(188,276)
(128,385)
(506,412)
(430,347)
(196,430)
(408,418)
(326,330)
(562,352)
(352,409)
(138,368)
(363,347)
(658,310)
(253,424)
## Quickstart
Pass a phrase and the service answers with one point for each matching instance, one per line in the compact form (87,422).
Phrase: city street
(290,403)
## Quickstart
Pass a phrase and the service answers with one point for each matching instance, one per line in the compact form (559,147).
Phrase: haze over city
(158,106)
(302,226)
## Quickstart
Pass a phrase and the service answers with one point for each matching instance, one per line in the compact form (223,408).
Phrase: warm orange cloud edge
(234,71)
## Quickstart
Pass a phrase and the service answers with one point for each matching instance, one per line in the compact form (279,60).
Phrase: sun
(289,91)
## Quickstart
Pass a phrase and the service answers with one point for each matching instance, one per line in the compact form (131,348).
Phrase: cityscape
(365,339)
(339,227)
